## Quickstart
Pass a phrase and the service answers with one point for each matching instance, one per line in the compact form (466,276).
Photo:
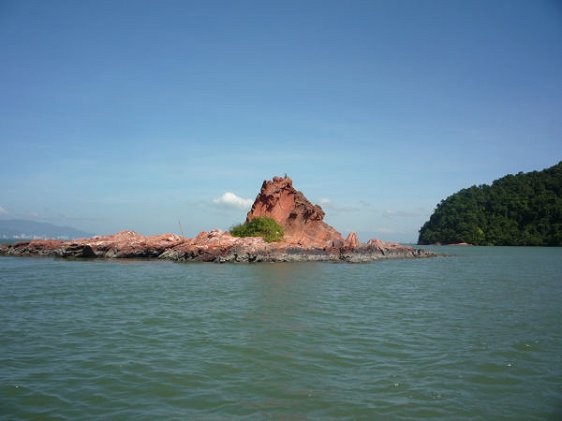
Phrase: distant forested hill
(20,228)
(516,210)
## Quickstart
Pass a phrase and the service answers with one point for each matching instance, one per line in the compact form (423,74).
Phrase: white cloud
(230,200)
(324,201)
(3,211)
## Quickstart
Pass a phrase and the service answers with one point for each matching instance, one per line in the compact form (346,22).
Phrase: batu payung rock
(306,237)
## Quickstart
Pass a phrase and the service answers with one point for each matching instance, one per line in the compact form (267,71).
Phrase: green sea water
(476,335)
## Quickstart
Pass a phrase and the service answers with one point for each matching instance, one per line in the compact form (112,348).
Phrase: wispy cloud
(393,213)
(386,230)
(73,218)
(326,203)
(3,211)
(231,200)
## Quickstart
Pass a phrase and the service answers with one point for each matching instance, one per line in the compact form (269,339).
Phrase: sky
(143,115)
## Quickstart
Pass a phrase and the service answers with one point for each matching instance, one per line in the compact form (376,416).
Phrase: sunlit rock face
(303,222)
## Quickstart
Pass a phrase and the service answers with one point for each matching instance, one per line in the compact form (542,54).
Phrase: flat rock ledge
(214,246)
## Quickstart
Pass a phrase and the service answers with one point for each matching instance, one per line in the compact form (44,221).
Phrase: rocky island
(306,237)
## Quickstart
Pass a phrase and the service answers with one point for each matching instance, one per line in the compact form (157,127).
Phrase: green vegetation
(261,226)
(516,210)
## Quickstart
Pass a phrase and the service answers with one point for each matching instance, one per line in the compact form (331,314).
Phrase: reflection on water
(281,290)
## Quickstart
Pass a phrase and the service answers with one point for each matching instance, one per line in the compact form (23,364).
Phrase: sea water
(475,335)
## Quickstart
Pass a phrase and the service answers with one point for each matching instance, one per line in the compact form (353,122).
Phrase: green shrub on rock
(261,226)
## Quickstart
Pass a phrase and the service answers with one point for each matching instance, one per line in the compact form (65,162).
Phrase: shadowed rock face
(303,222)
(307,238)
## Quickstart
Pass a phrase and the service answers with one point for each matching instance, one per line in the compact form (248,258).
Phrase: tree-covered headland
(516,210)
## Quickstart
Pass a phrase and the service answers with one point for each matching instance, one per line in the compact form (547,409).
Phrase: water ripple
(473,336)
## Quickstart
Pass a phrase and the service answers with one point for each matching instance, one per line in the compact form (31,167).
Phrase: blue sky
(134,115)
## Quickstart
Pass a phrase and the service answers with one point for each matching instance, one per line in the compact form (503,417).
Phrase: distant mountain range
(24,229)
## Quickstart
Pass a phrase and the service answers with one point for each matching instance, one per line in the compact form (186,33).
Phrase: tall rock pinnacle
(303,222)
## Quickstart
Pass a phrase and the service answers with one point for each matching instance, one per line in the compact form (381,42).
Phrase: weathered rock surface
(307,238)
(214,246)
(123,244)
(303,222)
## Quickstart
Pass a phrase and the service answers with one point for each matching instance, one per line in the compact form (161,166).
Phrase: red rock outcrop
(32,248)
(352,241)
(307,238)
(215,246)
(303,222)
(122,244)
(131,244)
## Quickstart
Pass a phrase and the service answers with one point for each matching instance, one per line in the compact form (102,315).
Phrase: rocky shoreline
(307,238)
(214,246)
